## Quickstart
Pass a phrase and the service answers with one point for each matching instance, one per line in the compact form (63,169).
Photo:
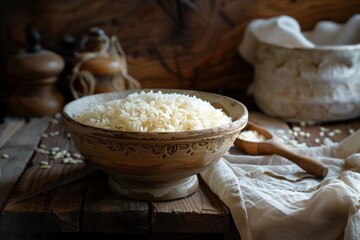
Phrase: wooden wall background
(189,44)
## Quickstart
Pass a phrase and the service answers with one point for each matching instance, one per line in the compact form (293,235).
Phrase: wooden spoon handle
(308,164)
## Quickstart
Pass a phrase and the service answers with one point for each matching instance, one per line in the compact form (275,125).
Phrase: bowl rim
(154,135)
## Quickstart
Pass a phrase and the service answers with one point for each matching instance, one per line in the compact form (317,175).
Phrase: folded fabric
(285,31)
(330,33)
(271,198)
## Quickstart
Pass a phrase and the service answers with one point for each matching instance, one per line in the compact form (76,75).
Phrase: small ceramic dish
(154,165)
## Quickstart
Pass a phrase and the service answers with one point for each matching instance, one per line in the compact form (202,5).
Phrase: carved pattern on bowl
(159,149)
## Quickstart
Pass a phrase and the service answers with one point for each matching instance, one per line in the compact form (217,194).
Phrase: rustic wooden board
(233,234)
(333,132)
(20,147)
(55,211)
(65,202)
(106,212)
(9,128)
(88,206)
(202,212)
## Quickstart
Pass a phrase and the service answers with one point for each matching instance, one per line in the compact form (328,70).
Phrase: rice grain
(155,112)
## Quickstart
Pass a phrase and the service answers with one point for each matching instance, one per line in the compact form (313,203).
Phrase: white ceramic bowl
(154,165)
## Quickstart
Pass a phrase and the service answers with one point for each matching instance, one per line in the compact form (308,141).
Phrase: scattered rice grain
(324,129)
(45,166)
(66,160)
(337,131)
(71,160)
(53,134)
(77,155)
(43,151)
(296,129)
(44,163)
(58,155)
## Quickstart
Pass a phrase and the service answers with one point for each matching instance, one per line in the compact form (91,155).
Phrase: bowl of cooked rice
(153,143)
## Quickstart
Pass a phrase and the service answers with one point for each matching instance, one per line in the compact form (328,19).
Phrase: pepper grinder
(34,73)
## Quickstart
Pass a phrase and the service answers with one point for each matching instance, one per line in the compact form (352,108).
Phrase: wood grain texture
(332,132)
(54,211)
(19,148)
(9,128)
(201,212)
(88,208)
(106,212)
(169,43)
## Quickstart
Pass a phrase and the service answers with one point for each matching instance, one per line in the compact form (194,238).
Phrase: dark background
(189,44)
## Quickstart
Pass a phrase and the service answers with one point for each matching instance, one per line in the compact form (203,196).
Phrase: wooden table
(87,208)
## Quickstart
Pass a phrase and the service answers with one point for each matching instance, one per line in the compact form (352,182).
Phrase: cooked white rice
(155,112)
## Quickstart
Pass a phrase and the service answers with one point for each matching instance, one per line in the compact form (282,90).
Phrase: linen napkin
(271,198)
(286,31)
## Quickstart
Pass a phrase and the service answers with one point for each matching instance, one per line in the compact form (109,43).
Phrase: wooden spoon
(272,146)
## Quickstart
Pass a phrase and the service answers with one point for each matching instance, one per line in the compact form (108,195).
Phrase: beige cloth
(286,31)
(271,198)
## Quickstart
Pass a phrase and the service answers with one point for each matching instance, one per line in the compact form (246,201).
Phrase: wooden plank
(325,133)
(201,212)
(20,147)
(105,212)
(55,211)
(311,134)
(233,234)
(8,129)
(66,202)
